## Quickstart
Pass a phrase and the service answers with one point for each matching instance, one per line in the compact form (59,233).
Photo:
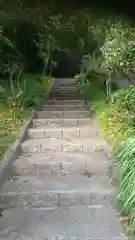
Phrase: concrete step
(65,98)
(60,145)
(62,122)
(67,84)
(56,191)
(65,80)
(61,91)
(63,102)
(62,114)
(93,223)
(65,89)
(61,164)
(63,83)
(65,107)
(48,199)
(65,95)
(63,132)
(60,183)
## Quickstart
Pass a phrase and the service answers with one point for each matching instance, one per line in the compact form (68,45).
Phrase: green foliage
(115,52)
(91,63)
(40,85)
(10,124)
(45,50)
(8,55)
(37,30)
(91,69)
(119,46)
(81,81)
(15,108)
(22,95)
(125,98)
(126,165)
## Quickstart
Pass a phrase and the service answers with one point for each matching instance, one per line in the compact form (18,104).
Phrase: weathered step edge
(61,121)
(54,165)
(48,146)
(72,229)
(65,107)
(47,199)
(62,133)
(58,101)
(62,114)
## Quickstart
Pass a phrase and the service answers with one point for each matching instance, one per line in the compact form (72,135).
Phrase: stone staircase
(60,187)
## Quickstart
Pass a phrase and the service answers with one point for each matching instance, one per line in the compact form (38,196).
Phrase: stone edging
(14,149)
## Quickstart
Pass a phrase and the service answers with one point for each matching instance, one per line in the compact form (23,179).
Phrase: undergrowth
(14,110)
(115,118)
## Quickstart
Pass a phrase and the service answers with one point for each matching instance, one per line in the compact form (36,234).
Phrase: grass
(10,124)
(12,118)
(114,122)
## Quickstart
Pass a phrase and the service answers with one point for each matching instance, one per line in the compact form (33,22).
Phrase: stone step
(93,223)
(63,102)
(60,145)
(65,107)
(59,85)
(61,122)
(56,191)
(61,164)
(67,84)
(72,238)
(64,93)
(59,183)
(65,97)
(70,90)
(68,81)
(63,132)
(47,199)
(65,89)
(63,83)
(62,114)
(67,94)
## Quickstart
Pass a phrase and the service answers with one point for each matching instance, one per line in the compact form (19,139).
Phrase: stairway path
(60,187)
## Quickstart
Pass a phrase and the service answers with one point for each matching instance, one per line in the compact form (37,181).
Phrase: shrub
(125,98)
(32,95)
